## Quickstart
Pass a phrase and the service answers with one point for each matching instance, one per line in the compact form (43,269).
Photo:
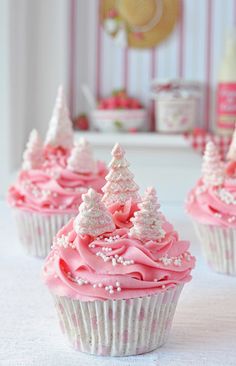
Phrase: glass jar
(176,104)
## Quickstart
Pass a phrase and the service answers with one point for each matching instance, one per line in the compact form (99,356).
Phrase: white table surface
(203,332)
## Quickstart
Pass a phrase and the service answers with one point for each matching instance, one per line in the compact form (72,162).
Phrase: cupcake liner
(36,231)
(219,247)
(118,327)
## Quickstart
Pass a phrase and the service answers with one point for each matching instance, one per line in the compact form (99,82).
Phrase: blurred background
(158,76)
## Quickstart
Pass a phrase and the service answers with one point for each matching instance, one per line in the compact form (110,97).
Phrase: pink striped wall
(192,52)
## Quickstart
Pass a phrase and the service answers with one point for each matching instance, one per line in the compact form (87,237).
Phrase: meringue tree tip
(151,190)
(60,90)
(91,193)
(210,145)
(117,151)
(34,133)
(83,141)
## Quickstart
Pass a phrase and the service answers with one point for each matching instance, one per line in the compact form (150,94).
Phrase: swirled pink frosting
(53,187)
(213,205)
(122,213)
(114,266)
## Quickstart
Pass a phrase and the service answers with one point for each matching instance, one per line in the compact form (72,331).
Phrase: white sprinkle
(177,262)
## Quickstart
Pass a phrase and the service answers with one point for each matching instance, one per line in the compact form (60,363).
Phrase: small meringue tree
(93,218)
(60,131)
(120,186)
(147,222)
(81,158)
(212,167)
(231,154)
(33,154)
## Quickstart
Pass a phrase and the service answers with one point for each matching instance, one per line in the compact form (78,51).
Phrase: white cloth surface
(203,331)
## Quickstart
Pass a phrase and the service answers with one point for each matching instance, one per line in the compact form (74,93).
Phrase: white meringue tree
(93,218)
(212,167)
(231,154)
(147,222)
(33,154)
(60,131)
(81,158)
(120,185)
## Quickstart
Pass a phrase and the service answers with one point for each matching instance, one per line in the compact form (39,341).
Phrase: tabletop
(203,331)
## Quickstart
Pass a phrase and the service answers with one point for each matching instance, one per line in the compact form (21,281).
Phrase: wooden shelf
(141,139)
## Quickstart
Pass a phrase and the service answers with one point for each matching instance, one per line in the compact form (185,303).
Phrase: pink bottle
(226,91)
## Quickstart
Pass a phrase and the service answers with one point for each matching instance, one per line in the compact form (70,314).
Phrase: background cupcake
(212,206)
(53,177)
(116,289)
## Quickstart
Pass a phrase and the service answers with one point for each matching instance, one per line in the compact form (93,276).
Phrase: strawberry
(119,100)
(112,103)
(134,104)
(133,130)
(81,122)
(102,104)
(124,103)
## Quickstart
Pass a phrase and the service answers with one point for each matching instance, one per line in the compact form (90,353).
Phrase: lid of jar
(180,87)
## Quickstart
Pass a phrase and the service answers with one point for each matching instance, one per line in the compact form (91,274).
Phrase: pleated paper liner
(118,327)
(36,230)
(219,247)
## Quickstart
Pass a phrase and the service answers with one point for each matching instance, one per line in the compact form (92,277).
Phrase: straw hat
(139,23)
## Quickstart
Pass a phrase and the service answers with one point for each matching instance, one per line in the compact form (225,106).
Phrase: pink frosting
(114,266)
(122,213)
(213,205)
(230,169)
(53,187)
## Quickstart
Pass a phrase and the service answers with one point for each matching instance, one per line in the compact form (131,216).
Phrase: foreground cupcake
(116,289)
(53,177)
(212,206)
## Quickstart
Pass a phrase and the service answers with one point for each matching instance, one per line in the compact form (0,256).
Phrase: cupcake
(52,179)
(116,289)
(212,207)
